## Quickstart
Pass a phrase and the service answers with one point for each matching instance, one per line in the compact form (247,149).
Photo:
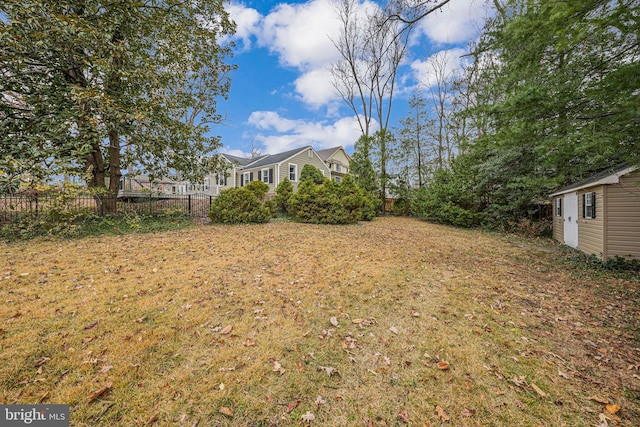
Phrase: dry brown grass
(527,342)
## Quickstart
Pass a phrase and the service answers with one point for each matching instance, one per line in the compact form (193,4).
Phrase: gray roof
(272,159)
(240,160)
(607,176)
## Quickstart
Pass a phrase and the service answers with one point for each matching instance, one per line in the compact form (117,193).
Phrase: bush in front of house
(331,203)
(284,191)
(238,206)
(313,173)
(259,188)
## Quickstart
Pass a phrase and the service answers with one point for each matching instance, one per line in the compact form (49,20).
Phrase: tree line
(550,94)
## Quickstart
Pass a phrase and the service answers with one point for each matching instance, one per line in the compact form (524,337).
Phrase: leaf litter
(224,316)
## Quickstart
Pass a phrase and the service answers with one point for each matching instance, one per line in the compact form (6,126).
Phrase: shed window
(589,205)
(558,206)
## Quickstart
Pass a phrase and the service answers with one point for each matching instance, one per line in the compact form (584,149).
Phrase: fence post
(101,199)
(189,204)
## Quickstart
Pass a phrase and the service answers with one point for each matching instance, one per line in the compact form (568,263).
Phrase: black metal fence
(35,205)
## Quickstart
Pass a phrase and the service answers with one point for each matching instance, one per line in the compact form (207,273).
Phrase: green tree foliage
(94,86)
(361,166)
(313,173)
(415,146)
(284,191)
(238,206)
(551,101)
(450,197)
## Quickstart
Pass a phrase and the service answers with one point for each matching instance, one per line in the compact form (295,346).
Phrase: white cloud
(424,71)
(458,21)
(247,22)
(281,134)
(301,34)
(315,87)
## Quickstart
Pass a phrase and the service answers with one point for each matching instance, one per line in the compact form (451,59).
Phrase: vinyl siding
(591,231)
(302,159)
(623,217)
(558,221)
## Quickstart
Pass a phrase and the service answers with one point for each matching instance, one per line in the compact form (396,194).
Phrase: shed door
(571,220)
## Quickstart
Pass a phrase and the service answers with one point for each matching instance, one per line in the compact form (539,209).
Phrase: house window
(338,168)
(293,172)
(558,206)
(338,179)
(589,205)
(310,153)
(265,176)
(246,178)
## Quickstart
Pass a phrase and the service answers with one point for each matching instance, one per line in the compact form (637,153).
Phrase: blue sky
(281,96)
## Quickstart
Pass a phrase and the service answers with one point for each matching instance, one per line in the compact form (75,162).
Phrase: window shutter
(271,176)
(584,205)
(250,176)
(259,175)
(241,180)
(593,204)
(225,180)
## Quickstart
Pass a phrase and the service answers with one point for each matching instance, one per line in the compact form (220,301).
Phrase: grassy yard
(393,322)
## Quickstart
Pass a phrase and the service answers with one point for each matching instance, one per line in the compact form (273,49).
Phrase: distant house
(338,162)
(601,214)
(271,169)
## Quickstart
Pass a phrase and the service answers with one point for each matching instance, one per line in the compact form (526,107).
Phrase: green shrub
(331,203)
(238,206)
(259,188)
(313,173)
(271,205)
(284,191)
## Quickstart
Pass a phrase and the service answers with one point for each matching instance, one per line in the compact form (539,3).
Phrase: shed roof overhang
(610,176)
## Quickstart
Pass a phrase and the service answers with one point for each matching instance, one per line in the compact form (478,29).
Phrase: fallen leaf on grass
(91,326)
(518,403)
(563,375)
(357,321)
(394,330)
(320,401)
(442,365)
(293,405)
(441,414)
(538,390)
(226,411)
(249,343)
(308,416)
(466,412)
(404,416)
(226,330)
(96,394)
(105,369)
(278,368)
(612,409)
(328,369)
(334,321)
(603,419)
(599,399)
(152,419)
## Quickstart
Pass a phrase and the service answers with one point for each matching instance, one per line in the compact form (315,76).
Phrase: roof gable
(329,153)
(272,159)
(240,160)
(607,176)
